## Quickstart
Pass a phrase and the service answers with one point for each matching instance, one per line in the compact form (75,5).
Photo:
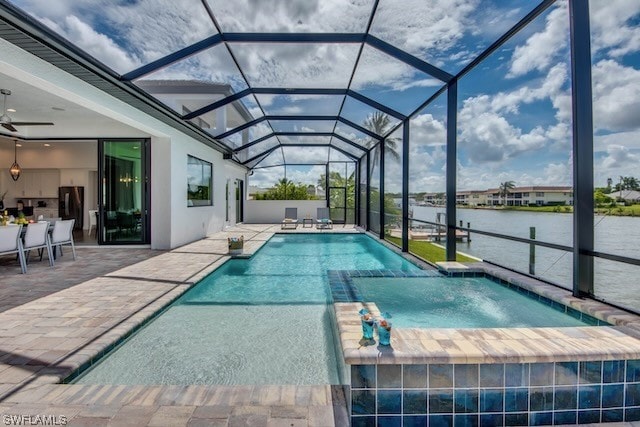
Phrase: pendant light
(15,169)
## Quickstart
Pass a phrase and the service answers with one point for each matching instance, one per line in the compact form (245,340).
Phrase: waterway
(614,281)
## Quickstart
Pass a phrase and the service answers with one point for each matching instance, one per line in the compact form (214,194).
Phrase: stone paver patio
(56,320)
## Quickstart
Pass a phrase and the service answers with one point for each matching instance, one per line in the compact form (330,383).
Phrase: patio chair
(62,234)
(323,220)
(290,218)
(37,237)
(11,243)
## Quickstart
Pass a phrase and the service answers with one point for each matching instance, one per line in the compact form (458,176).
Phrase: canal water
(614,281)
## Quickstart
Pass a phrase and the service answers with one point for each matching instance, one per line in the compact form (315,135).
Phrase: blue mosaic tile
(491,400)
(612,415)
(565,417)
(566,373)
(541,418)
(576,314)
(541,399)
(632,414)
(465,401)
(541,374)
(592,321)
(633,371)
(613,371)
(589,396)
(363,376)
(466,420)
(415,421)
(389,421)
(565,398)
(491,420)
(440,420)
(516,375)
(363,421)
(588,417)
(389,376)
(363,402)
(414,402)
(440,376)
(440,401)
(516,399)
(521,419)
(612,395)
(590,373)
(414,376)
(492,375)
(389,401)
(632,395)
(465,376)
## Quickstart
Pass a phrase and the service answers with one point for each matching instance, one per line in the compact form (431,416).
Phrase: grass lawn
(633,210)
(428,251)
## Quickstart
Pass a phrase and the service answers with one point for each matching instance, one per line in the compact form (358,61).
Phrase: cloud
(619,157)
(616,93)
(99,45)
(612,26)
(292,15)
(540,49)
(426,29)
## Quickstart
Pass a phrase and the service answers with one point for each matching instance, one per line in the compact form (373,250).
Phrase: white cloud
(292,15)
(611,26)
(540,50)
(616,93)
(99,45)
(425,28)
(619,157)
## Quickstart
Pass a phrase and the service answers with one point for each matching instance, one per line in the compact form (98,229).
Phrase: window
(539,194)
(199,182)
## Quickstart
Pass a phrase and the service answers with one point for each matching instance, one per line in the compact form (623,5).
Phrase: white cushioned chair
(62,234)
(11,243)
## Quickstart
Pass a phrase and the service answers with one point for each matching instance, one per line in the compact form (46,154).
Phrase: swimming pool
(264,320)
(458,302)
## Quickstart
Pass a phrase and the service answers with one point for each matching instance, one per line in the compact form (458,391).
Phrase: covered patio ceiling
(291,81)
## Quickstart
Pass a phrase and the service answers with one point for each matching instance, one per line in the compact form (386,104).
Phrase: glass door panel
(123,194)
(337,204)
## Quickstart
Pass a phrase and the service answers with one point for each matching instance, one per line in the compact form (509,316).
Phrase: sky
(514,109)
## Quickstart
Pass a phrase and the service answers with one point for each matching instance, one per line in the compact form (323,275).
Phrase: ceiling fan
(6,121)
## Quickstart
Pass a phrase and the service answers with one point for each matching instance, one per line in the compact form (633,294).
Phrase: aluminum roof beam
(332,134)
(272,149)
(294,91)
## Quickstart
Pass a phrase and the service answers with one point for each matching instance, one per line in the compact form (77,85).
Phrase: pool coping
(621,341)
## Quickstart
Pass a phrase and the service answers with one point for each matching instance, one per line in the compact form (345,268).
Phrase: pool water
(264,320)
(457,302)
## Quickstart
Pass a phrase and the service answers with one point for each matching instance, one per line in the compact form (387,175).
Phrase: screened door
(123,211)
(338,204)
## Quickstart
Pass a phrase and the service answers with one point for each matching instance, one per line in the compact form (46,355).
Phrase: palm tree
(505,188)
(380,123)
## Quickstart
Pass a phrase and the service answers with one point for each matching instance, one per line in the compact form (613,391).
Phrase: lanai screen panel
(250,134)
(211,70)
(124,35)
(307,155)
(304,140)
(392,82)
(302,125)
(224,118)
(362,114)
(297,65)
(357,153)
(282,16)
(309,105)
(353,135)
(447,34)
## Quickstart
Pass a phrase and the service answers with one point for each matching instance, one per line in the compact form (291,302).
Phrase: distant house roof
(194,87)
(630,195)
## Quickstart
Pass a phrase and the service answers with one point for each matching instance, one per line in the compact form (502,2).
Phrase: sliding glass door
(123,212)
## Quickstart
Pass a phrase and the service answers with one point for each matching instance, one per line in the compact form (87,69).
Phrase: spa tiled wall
(495,394)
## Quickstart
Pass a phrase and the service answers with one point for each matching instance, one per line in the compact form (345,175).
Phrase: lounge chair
(290,218)
(323,220)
